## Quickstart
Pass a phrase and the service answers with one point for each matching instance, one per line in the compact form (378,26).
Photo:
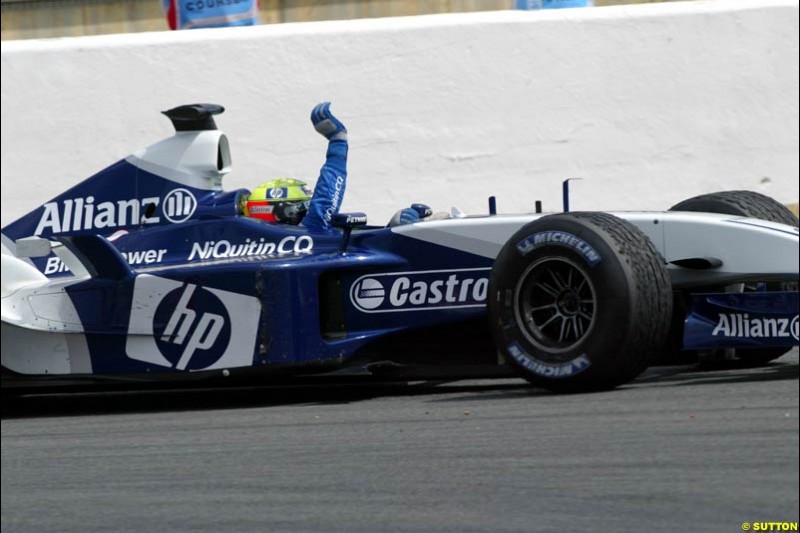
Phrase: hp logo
(368,293)
(179,326)
(189,340)
(179,205)
(276,193)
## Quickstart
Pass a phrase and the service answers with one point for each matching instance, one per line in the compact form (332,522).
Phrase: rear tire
(752,205)
(579,302)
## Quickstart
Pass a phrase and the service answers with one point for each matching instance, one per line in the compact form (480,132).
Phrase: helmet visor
(291,212)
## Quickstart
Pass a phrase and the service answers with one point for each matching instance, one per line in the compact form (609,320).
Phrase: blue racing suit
(330,187)
(329,191)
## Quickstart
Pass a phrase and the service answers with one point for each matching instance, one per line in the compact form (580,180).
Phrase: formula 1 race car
(146,272)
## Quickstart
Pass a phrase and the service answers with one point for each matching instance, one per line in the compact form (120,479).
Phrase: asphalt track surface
(680,449)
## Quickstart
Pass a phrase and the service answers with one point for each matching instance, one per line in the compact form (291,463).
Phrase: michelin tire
(579,302)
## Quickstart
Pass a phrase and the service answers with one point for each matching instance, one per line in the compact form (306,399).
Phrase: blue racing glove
(408,216)
(326,124)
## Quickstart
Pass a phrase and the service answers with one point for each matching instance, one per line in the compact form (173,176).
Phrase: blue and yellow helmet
(279,200)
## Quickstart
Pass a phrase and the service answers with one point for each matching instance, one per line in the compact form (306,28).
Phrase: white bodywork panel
(748,248)
(30,351)
(33,247)
(189,158)
(31,300)
(41,330)
(18,274)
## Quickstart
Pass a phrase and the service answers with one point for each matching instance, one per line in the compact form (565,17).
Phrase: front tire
(579,302)
(739,203)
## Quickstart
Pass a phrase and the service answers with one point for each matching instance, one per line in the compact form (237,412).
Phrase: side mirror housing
(33,247)
(349,220)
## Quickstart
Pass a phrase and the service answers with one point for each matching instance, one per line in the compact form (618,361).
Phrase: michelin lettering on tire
(559,238)
(395,292)
(548,370)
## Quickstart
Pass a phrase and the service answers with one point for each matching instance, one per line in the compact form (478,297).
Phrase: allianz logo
(223,248)
(744,326)
(416,291)
(78,214)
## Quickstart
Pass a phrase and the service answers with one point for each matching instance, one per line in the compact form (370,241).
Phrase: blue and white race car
(146,272)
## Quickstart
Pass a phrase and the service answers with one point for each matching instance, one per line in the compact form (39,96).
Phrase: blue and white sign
(179,205)
(187,327)
(742,320)
(277,192)
(395,292)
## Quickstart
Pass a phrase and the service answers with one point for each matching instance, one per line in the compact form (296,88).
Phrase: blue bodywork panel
(285,269)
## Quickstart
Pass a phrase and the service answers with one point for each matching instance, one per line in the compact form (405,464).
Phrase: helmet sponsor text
(261,209)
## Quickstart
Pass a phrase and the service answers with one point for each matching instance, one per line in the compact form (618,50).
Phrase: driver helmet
(282,200)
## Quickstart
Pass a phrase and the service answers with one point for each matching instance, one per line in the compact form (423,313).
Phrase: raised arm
(330,187)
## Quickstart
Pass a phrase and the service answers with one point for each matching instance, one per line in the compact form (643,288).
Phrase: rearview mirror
(348,220)
(33,247)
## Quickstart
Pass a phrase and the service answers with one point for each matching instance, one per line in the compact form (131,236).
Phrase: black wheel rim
(555,304)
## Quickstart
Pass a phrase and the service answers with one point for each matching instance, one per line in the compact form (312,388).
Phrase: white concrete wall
(649,104)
